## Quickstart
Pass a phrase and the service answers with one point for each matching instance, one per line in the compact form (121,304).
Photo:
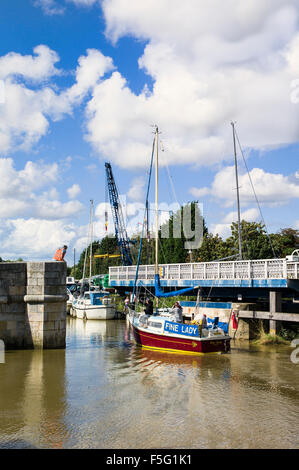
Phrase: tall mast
(238,194)
(91,237)
(156,203)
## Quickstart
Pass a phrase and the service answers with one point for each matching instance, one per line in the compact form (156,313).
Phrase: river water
(105,392)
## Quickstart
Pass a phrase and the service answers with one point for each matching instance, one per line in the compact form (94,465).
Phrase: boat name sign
(181,329)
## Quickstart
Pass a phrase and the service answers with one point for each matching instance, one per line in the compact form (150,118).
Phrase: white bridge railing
(253,269)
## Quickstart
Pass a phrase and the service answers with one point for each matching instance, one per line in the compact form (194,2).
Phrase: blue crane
(120,228)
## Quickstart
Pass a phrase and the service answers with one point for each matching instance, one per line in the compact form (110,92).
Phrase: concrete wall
(33,305)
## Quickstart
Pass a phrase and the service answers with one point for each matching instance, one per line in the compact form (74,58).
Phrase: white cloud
(90,70)
(84,3)
(223,227)
(37,67)
(50,7)
(136,191)
(223,230)
(54,7)
(20,192)
(35,238)
(26,113)
(249,215)
(74,191)
(211,63)
(270,188)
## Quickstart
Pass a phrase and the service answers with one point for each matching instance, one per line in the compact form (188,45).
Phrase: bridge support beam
(275,307)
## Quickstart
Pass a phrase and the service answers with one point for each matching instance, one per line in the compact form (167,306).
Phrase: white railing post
(266,270)
(249,269)
(285,270)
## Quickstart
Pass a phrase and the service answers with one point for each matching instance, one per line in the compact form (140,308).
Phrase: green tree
(99,265)
(285,241)
(255,241)
(172,249)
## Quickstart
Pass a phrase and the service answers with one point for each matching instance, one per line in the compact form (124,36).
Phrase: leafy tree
(213,248)
(172,249)
(255,241)
(285,241)
(99,265)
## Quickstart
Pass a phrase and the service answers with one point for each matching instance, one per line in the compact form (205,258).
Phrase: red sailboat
(161,331)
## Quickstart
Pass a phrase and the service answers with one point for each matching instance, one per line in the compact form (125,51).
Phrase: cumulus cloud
(54,7)
(34,221)
(223,227)
(84,3)
(50,7)
(74,191)
(35,238)
(271,188)
(26,112)
(136,191)
(90,70)
(20,192)
(211,63)
(37,67)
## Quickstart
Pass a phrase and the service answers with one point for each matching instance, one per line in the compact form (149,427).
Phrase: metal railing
(252,269)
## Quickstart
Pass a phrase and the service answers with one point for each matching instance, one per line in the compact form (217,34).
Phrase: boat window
(87,296)
(155,324)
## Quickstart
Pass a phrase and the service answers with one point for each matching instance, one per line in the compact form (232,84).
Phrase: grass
(268,338)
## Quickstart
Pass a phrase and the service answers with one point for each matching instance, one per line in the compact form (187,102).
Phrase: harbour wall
(33,305)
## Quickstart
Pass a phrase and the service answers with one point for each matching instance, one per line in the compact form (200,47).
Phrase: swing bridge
(270,280)
(250,275)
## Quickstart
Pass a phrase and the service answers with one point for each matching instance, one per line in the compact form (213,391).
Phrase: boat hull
(190,346)
(95,313)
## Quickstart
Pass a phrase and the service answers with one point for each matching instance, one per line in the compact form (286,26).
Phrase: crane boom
(119,225)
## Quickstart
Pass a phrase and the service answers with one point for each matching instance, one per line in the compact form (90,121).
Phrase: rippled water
(104,392)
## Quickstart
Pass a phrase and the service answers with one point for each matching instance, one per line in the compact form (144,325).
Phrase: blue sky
(83,82)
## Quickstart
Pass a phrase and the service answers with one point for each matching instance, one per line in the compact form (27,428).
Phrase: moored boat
(162,331)
(94,305)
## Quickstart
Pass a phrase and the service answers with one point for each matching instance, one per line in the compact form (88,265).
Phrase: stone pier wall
(33,305)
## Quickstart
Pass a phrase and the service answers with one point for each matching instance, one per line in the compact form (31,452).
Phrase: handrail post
(285,271)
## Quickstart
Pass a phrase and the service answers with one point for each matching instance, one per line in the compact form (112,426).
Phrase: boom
(120,228)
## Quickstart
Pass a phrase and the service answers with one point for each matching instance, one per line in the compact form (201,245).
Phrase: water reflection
(106,392)
(32,397)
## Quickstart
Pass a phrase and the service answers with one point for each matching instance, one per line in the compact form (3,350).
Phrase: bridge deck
(270,273)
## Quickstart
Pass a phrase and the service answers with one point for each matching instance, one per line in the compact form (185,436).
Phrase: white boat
(94,305)
(69,301)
